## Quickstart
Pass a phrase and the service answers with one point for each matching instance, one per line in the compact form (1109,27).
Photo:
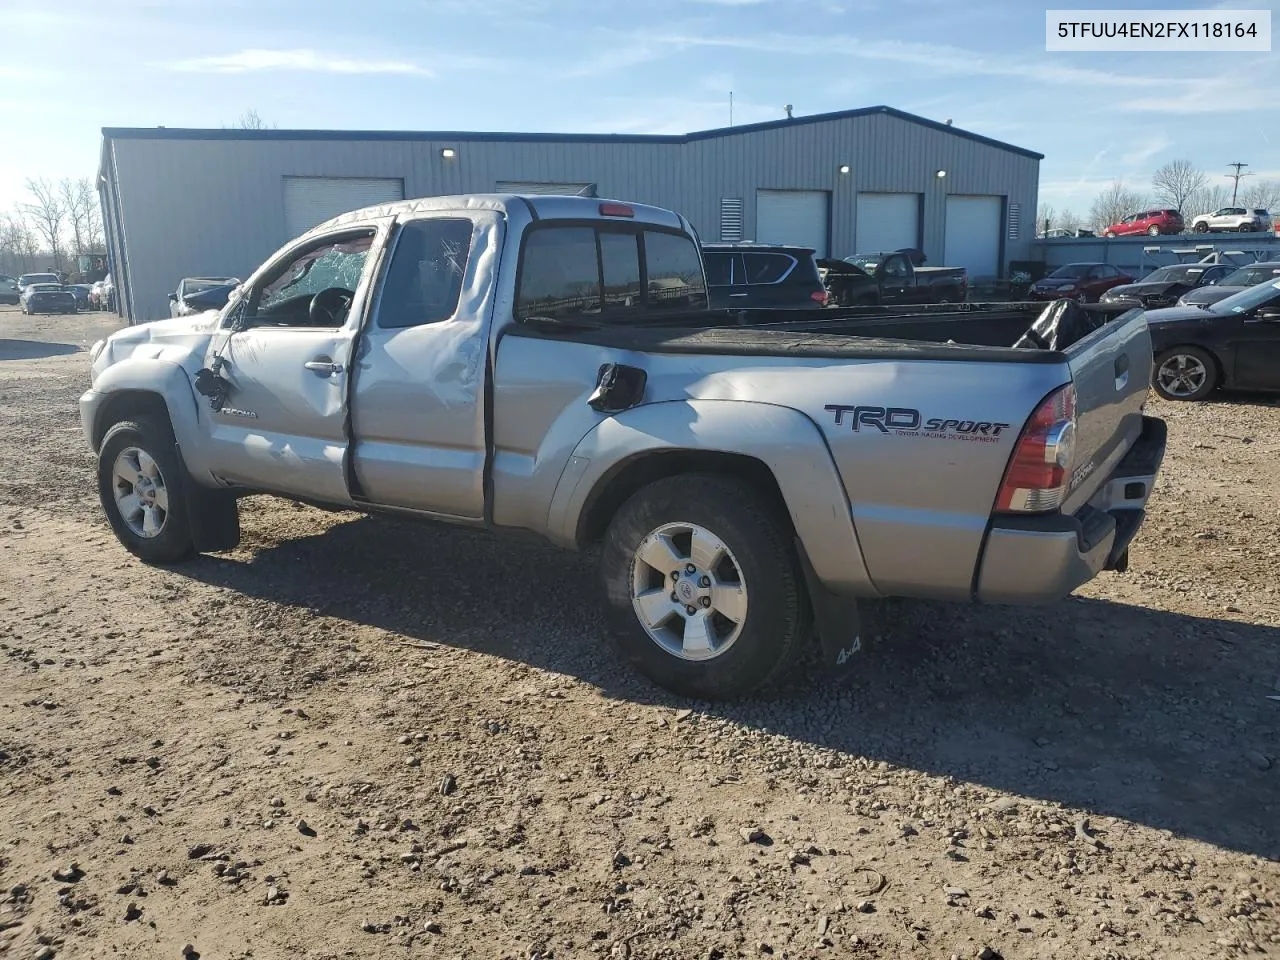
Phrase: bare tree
(1176,182)
(1113,205)
(252,120)
(18,247)
(1068,220)
(81,205)
(1262,194)
(1208,199)
(1044,219)
(48,215)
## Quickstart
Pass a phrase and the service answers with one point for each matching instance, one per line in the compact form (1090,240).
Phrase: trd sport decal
(906,422)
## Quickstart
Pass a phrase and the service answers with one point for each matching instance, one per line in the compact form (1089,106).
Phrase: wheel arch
(779,450)
(143,386)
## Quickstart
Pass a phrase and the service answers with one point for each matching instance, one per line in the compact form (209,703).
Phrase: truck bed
(983,333)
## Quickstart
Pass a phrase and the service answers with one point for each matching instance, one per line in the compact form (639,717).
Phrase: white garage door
(312,200)
(973,235)
(797,217)
(887,221)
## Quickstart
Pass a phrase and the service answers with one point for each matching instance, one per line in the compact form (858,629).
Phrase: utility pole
(1235,178)
(731,108)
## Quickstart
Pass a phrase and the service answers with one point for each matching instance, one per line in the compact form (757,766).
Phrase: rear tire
(1184,373)
(750,616)
(1153,231)
(142,485)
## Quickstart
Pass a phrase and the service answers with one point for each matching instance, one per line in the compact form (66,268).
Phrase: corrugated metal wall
(215,206)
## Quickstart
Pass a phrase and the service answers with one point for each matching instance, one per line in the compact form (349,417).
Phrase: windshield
(28,278)
(46,286)
(1248,276)
(1072,271)
(1246,300)
(1168,274)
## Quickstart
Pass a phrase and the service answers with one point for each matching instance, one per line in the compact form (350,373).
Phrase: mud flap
(213,515)
(838,619)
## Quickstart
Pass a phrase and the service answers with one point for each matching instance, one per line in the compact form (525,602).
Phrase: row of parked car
(47,293)
(1212,324)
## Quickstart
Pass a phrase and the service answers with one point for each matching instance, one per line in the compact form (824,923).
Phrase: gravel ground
(355,737)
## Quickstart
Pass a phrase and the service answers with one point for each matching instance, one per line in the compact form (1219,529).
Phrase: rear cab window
(607,271)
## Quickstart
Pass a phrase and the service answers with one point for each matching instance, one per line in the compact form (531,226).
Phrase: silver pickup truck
(549,365)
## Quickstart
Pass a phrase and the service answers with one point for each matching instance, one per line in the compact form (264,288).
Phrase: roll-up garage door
(312,200)
(797,217)
(973,234)
(887,221)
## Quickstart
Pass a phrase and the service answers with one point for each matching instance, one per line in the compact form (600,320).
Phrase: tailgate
(1111,370)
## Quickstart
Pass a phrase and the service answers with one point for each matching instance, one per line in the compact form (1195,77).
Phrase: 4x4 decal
(908,422)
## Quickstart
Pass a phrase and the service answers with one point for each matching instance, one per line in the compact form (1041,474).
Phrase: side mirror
(173,297)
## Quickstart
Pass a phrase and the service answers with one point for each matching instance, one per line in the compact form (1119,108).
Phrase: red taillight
(1039,471)
(616,210)
(821,296)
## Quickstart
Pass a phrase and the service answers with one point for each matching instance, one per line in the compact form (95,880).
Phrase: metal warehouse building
(218,202)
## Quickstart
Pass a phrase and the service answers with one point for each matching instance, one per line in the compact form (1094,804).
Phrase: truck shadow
(34,349)
(1155,717)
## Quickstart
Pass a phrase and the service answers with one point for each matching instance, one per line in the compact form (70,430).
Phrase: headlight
(95,350)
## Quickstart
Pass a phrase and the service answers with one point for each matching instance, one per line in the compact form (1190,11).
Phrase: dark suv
(743,275)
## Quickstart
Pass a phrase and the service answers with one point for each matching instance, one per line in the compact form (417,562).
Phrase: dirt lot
(362,738)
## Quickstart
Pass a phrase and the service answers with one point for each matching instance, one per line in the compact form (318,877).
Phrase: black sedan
(1241,279)
(47,298)
(1234,343)
(1163,287)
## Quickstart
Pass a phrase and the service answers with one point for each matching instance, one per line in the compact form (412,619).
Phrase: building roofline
(179,133)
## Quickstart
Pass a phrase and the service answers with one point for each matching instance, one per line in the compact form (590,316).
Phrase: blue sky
(663,66)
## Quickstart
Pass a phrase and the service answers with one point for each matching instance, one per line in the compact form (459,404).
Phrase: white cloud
(298,61)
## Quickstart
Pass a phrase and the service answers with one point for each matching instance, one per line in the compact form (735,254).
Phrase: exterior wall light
(447,153)
(844,168)
(940,174)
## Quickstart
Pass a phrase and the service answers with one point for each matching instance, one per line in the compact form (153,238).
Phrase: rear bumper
(1041,559)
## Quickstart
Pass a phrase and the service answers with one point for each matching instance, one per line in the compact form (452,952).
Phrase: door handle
(327,367)
(739,294)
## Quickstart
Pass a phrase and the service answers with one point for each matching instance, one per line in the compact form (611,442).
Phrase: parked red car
(1151,222)
(1082,282)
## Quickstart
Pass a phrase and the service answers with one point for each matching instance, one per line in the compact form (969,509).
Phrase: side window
(424,280)
(719,268)
(895,267)
(287,296)
(674,269)
(559,276)
(766,267)
(568,271)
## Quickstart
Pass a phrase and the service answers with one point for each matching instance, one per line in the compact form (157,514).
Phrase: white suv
(1238,219)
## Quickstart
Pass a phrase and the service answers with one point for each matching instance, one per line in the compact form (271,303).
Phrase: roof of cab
(535,207)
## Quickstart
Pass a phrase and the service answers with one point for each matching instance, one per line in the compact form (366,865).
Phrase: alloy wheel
(688,591)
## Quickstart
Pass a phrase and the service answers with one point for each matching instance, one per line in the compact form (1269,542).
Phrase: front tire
(1184,373)
(1153,231)
(141,484)
(725,554)
(1201,227)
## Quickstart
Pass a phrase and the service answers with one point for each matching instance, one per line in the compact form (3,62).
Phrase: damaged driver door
(278,370)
